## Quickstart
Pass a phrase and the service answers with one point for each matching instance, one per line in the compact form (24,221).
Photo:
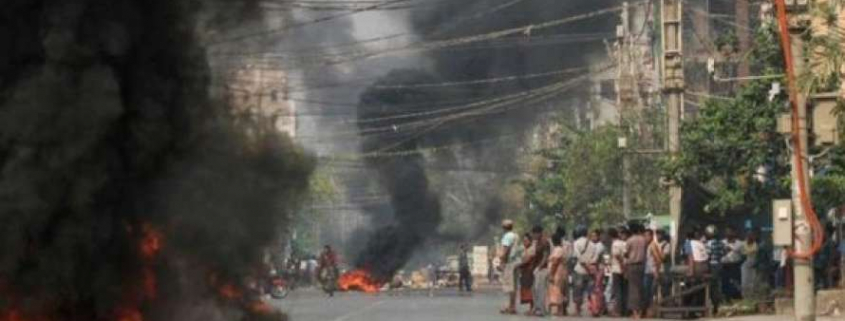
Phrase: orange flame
(136,291)
(358,280)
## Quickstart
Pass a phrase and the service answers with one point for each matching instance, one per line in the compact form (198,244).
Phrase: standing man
(732,265)
(653,268)
(464,277)
(715,251)
(698,262)
(510,258)
(635,269)
(588,253)
(617,270)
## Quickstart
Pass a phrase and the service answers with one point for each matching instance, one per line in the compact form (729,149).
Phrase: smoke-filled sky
(128,188)
(490,141)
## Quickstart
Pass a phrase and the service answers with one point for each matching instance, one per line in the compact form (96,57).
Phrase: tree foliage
(733,150)
(581,178)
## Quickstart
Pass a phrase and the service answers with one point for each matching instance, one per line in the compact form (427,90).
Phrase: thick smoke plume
(416,208)
(539,51)
(126,193)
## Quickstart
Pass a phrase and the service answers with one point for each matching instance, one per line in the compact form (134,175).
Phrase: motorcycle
(328,280)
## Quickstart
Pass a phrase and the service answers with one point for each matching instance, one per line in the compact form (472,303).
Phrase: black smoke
(401,172)
(493,165)
(108,136)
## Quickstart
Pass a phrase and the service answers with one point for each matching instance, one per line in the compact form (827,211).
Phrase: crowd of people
(618,271)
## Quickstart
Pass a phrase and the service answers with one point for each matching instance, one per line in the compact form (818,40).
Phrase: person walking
(557,276)
(635,255)
(617,264)
(464,275)
(510,255)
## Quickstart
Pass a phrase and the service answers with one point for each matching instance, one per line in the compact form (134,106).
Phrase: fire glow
(136,293)
(358,280)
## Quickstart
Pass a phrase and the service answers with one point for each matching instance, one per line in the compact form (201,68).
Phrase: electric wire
(798,150)
(273,31)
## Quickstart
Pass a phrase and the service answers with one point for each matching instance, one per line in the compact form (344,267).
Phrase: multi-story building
(258,89)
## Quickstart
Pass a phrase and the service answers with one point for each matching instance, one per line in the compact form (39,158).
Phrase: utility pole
(624,89)
(626,185)
(626,177)
(673,89)
(629,100)
(804,294)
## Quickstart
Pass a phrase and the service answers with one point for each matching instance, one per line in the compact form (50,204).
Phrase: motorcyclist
(327,270)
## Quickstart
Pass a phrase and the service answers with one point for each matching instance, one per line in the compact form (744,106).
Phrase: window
(607,89)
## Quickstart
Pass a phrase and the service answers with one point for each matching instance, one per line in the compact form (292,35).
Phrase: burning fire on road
(359,280)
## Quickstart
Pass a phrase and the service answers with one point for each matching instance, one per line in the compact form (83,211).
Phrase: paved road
(405,306)
(310,305)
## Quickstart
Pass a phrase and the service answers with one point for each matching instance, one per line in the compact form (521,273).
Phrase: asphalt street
(445,305)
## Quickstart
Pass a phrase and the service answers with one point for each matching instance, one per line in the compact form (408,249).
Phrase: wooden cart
(685,296)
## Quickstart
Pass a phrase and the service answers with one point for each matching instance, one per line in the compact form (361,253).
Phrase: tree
(733,151)
(828,183)
(577,175)
(824,46)
(322,190)
(578,179)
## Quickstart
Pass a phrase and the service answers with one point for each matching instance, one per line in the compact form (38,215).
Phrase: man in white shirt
(588,253)
(699,260)
(618,248)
